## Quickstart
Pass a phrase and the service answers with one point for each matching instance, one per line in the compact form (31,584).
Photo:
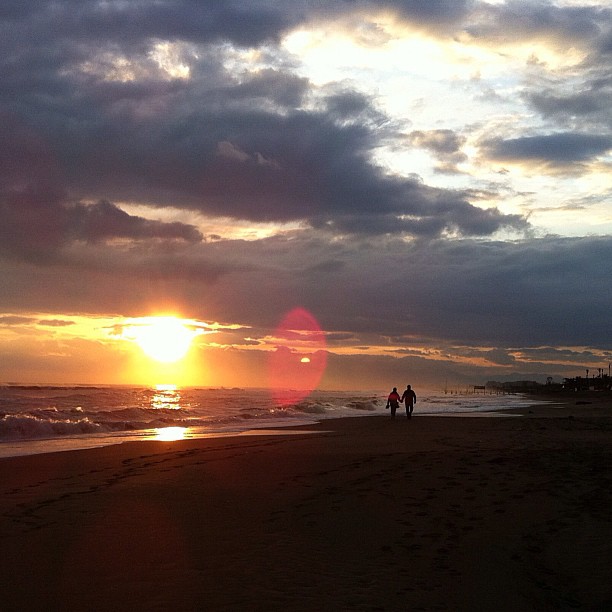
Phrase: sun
(165,339)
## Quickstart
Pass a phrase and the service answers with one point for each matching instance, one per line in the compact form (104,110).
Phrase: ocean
(41,418)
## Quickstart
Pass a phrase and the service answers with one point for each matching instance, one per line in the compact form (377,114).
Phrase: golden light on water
(170,434)
(166,388)
(166,397)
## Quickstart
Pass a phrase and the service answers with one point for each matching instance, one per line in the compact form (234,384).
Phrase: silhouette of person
(393,401)
(409,397)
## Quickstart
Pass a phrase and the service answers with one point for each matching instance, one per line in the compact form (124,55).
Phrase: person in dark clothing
(393,401)
(409,398)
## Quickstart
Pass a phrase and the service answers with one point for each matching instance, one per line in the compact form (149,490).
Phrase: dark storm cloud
(431,14)
(528,293)
(225,143)
(36,216)
(345,105)
(43,226)
(565,355)
(280,88)
(508,295)
(426,214)
(435,10)
(528,20)
(567,108)
(499,356)
(35,225)
(244,24)
(303,166)
(208,20)
(104,221)
(586,105)
(561,149)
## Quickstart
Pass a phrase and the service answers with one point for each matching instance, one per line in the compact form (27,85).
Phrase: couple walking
(408,397)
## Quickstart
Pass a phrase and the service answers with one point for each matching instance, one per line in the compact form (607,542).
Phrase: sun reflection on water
(166,397)
(170,434)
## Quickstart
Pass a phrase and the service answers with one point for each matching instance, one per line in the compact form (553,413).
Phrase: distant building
(514,386)
(602,382)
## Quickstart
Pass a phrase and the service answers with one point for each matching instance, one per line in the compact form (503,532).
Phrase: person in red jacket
(409,397)
(393,401)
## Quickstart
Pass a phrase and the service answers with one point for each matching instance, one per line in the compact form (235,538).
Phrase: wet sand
(432,513)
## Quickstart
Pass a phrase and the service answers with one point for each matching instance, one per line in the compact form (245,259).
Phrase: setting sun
(165,339)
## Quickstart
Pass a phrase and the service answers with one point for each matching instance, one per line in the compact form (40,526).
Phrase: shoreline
(19,447)
(355,513)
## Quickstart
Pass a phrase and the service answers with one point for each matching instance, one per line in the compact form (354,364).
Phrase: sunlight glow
(166,60)
(214,228)
(112,67)
(165,339)
(170,434)
(168,57)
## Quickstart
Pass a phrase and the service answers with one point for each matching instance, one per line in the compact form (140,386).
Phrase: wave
(311,408)
(31,427)
(17,387)
(27,426)
(42,412)
(368,406)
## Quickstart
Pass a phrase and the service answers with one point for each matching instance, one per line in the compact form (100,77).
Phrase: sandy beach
(433,513)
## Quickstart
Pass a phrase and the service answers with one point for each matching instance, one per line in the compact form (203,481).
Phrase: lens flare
(297,365)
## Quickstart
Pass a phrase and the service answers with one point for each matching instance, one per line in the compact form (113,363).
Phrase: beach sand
(433,513)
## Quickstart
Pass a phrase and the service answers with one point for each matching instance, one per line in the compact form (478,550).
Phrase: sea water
(41,418)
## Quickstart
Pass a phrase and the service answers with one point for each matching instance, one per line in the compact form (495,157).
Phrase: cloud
(55,323)
(445,145)
(562,150)
(129,129)
(10,320)
(37,228)
(38,218)
(437,10)
(575,98)
(525,20)
(104,220)
(530,293)
(257,144)
(566,356)
(202,21)
(565,108)
(271,87)
(568,77)
(317,170)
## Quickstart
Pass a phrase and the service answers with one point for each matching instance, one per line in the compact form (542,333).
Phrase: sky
(381,192)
